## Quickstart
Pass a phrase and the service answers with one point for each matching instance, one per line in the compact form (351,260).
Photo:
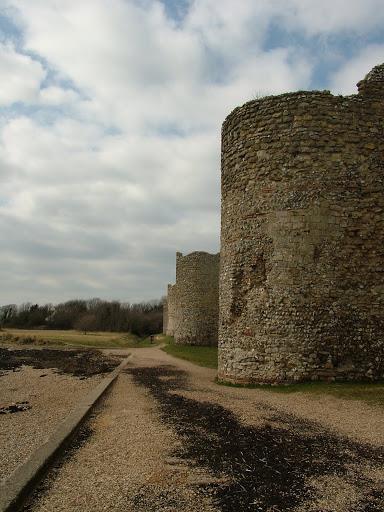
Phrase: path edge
(15,489)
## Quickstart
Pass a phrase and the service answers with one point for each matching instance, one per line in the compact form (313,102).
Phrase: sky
(110,119)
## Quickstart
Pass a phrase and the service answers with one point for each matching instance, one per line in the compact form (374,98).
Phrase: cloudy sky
(110,117)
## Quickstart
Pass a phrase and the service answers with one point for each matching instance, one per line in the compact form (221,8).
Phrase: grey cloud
(97,197)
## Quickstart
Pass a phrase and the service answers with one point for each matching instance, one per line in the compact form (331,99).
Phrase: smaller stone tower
(165,316)
(171,310)
(191,311)
(197,282)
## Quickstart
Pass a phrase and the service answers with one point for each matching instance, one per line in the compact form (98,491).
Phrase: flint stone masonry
(165,316)
(193,302)
(197,282)
(302,256)
(171,308)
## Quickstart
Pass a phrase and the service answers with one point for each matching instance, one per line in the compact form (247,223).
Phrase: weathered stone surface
(302,256)
(165,316)
(171,310)
(193,302)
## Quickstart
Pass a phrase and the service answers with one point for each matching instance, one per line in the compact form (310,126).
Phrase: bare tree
(86,322)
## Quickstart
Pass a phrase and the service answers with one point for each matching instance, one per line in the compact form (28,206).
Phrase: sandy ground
(168,438)
(50,396)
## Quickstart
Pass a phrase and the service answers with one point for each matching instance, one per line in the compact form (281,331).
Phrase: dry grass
(71,338)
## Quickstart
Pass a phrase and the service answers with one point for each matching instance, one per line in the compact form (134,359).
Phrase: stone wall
(302,256)
(193,302)
(165,316)
(197,282)
(171,310)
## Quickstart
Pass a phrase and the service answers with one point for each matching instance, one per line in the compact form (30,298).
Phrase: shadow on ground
(80,363)
(267,468)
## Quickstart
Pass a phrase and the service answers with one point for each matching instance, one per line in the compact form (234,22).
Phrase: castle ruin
(171,311)
(193,302)
(165,316)
(302,255)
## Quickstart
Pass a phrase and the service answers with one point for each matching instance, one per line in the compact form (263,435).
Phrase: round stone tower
(171,310)
(302,255)
(197,282)
(165,316)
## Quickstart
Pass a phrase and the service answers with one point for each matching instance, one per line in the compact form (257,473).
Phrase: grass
(370,392)
(144,342)
(74,338)
(202,356)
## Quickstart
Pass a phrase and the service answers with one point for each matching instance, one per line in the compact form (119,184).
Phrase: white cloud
(353,70)
(118,164)
(57,96)
(332,16)
(21,76)
(141,71)
(50,154)
(230,26)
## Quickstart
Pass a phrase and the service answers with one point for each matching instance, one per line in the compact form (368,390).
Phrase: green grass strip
(202,356)
(370,392)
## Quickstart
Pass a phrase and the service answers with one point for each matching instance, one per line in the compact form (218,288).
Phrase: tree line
(142,319)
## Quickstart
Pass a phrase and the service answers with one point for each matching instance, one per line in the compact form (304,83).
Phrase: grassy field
(145,342)
(202,356)
(74,338)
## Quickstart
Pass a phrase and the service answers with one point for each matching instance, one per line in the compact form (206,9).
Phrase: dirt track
(168,438)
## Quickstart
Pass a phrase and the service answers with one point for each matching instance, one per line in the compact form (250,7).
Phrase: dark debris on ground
(79,363)
(267,467)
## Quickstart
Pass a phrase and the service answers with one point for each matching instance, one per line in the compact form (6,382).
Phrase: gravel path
(50,396)
(126,464)
(169,439)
